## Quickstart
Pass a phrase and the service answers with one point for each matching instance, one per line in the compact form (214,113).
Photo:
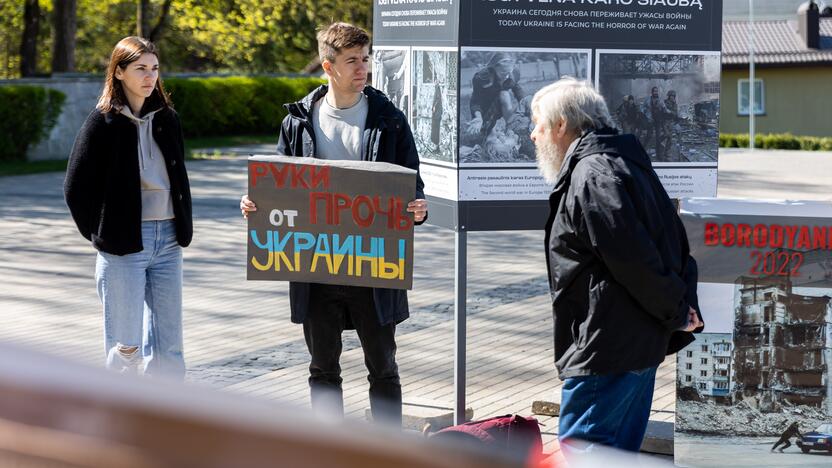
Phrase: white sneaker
(124,364)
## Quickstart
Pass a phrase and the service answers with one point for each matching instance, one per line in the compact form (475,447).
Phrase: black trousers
(782,440)
(331,310)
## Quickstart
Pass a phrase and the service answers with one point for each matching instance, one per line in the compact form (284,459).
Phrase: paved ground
(237,333)
(796,175)
(701,451)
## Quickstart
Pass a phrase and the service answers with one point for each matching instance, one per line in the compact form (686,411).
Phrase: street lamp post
(751,107)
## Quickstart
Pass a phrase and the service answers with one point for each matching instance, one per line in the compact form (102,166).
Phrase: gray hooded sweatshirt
(155,184)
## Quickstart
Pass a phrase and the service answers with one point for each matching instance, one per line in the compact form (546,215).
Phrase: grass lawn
(192,147)
(31,167)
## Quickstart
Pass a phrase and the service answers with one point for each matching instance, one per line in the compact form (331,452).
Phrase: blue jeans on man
(142,298)
(610,410)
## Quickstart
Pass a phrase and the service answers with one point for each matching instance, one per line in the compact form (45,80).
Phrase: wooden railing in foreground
(56,413)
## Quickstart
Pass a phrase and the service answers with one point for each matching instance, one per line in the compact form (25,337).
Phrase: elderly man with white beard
(622,280)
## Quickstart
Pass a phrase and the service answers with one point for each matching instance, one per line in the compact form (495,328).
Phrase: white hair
(577,102)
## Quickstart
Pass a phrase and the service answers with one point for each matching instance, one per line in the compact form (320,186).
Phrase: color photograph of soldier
(390,76)
(495,96)
(669,101)
(434,100)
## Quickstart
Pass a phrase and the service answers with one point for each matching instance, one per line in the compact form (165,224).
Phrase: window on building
(688,366)
(721,385)
(703,373)
(703,386)
(704,348)
(712,87)
(689,353)
(688,378)
(743,97)
(704,360)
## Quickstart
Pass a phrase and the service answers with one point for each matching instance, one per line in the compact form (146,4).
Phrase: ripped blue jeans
(142,298)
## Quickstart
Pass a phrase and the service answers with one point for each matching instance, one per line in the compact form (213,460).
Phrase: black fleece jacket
(103,187)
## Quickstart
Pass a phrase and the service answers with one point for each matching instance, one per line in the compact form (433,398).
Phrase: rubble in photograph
(669,101)
(496,90)
(742,419)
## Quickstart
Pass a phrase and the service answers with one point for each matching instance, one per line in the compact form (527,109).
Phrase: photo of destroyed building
(434,104)
(782,346)
(739,389)
(669,101)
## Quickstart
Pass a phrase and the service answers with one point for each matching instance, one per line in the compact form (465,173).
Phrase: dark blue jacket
(387,138)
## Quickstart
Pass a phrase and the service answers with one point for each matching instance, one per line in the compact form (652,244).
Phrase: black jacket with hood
(103,182)
(620,271)
(387,138)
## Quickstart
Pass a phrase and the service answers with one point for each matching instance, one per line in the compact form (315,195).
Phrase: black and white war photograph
(434,104)
(757,389)
(391,75)
(496,89)
(669,101)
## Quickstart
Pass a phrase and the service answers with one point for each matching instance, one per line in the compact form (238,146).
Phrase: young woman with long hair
(127,189)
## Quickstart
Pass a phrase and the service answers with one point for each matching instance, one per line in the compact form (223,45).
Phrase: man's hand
(693,321)
(418,207)
(246,205)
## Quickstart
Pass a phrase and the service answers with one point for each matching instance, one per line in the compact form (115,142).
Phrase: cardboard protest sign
(332,222)
(762,363)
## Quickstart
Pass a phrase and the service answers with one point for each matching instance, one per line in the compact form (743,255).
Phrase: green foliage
(11,29)
(235,105)
(19,130)
(11,33)
(101,24)
(785,141)
(250,36)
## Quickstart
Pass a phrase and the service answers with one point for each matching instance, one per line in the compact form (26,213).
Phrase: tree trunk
(142,18)
(156,33)
(29,41)
(63,52)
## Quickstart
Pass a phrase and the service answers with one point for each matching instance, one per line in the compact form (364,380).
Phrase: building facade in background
(733,10)
(793,79)
(706,366)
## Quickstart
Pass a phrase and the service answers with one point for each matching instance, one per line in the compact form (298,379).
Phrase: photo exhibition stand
(464,73)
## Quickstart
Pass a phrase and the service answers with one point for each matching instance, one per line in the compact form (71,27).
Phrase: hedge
(235,105)
(776,141)
(27,114)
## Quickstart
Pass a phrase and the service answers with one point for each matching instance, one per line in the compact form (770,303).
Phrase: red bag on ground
(511,433)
